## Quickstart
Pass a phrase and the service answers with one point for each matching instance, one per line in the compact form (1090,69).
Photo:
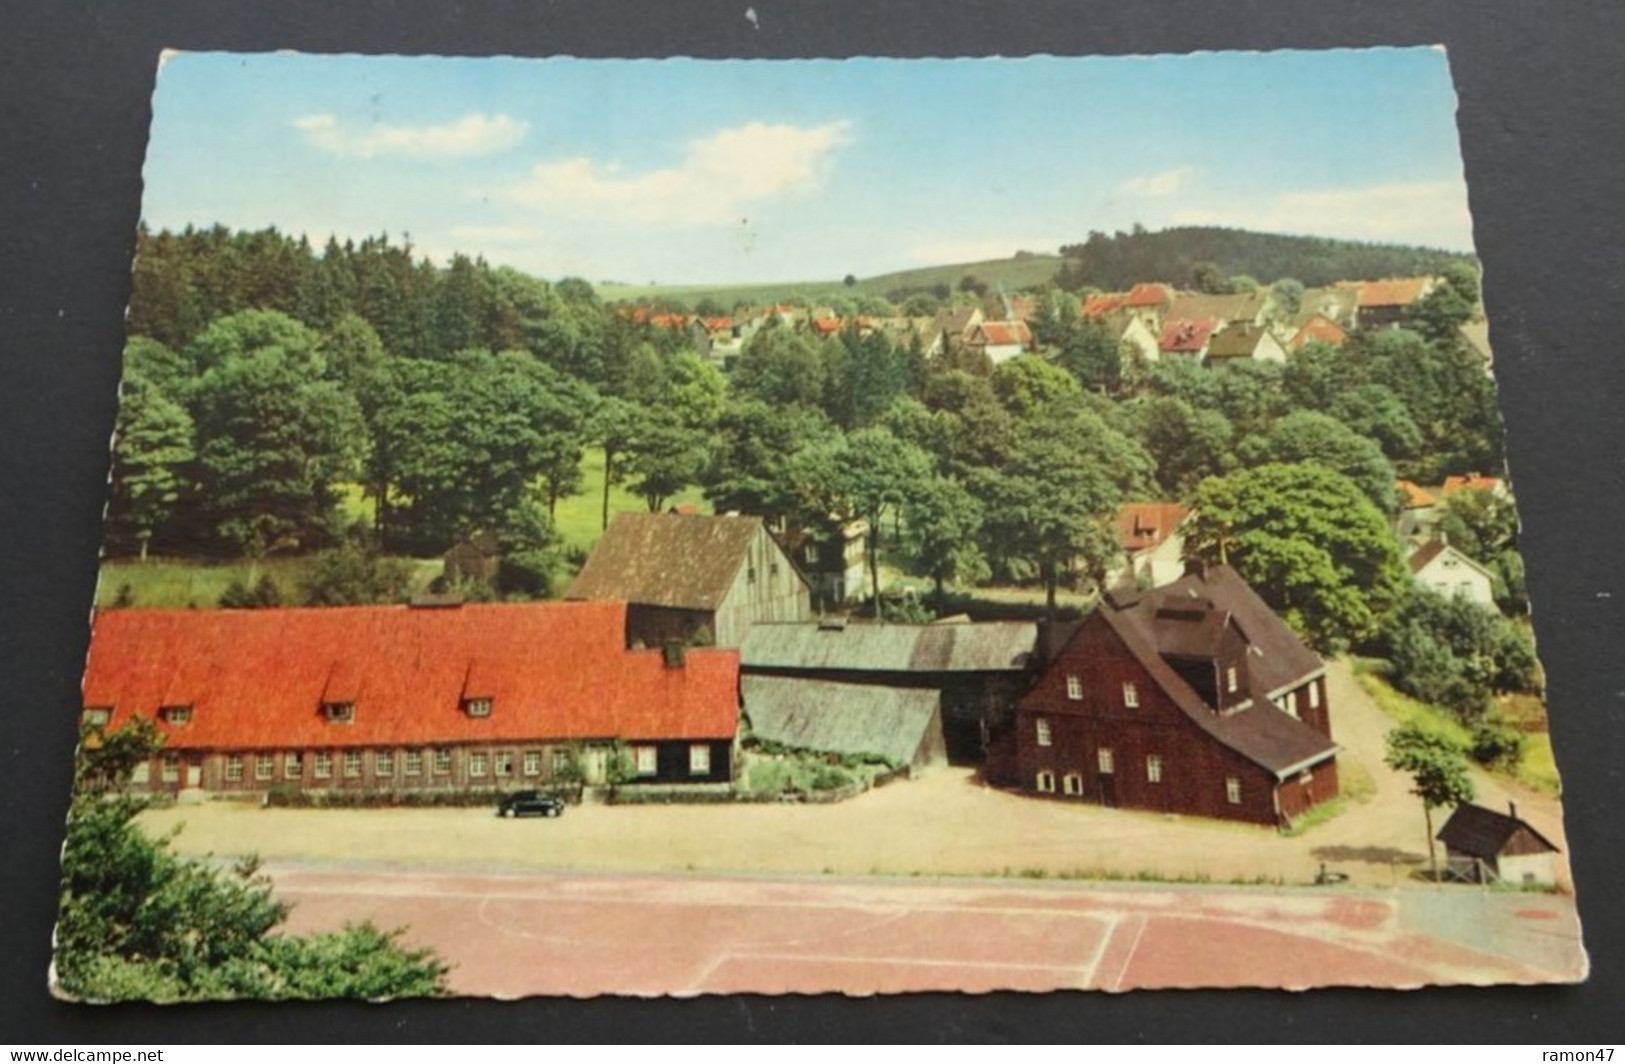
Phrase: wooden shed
(902,725)
(1483,846)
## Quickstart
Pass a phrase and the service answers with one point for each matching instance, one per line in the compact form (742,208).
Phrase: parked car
(530,803)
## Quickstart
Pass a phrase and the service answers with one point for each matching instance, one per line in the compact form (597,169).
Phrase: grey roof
(998,646)
(684,561)
(1481,832)
(841,718)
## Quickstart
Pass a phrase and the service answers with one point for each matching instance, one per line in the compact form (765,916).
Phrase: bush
(1497,745)
(265,594)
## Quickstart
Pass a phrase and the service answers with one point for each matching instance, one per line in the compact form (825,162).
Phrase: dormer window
(477,707)
(1230,681)
(175,715)
(338,712)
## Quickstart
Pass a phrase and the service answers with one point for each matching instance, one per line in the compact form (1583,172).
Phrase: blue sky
(688,171)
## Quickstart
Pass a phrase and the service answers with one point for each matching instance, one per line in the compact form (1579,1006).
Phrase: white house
(1444,569)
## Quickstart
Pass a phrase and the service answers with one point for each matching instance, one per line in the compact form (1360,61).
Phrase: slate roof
(682,561)
(995,646)
(257,679)
(841,718)
(1277,660)
(1484,833)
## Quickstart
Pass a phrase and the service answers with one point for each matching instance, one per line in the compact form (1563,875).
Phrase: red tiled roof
(1413,496)
(719,324)
(1102,303)
(1319,329)
(256,679)
(1395,293)
(1148,295)
(1184,335)
(668,321)
(1002,334)
(1471,482)
(1143,525)
(826,326)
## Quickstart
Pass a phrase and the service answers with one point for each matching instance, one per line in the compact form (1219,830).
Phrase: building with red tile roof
(403,698)
(1187,337)
(1473,482)
(999,340)
(1319,329)
(1148,535)
(1149,294)
(1102,303)
(1386,302)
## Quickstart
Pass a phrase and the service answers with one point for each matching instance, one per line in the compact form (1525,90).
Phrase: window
(338,712)
(383,764)
(1131,695)
(1074,688)
(1105,761)
(1046,781)
(264,766)
(141,773)
(1153,769)
(352,764)
(1230,679)
(292,766)
(477,707)
(1314,694)
(1292,702)
(533,762)
(414,762)
(479,764)
(645,759)
(176,714)
(442,762)
(561,762)
(171,771)
(234,768)
(1072,784)
(773,569)
(1232,789)
(750,575)
(504,762)
(699,759)
(1042,732)
(96,717)
(324,765)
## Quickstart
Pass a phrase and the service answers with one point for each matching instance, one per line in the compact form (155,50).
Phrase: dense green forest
(1205,257)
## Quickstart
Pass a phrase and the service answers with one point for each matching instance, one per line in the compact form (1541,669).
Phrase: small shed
(474,560)
(900,724)
(1483,846)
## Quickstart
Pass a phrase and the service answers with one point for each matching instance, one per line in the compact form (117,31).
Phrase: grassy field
(1012,274)
(579,519)
(1537,768)
(176,583)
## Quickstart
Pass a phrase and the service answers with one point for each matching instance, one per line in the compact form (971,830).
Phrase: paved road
(514,934)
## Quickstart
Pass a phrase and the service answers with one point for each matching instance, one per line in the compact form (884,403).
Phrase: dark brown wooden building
(1189,698)
(1483,846)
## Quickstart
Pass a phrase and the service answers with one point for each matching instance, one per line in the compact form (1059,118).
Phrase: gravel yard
(942,824)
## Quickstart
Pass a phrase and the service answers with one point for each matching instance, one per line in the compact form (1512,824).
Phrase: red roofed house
(1102,303)
(1149,302)
(1187,338)
(1474,482)
(401,698)
(1387,302)
(1416,509)
(1000,341)
(1191,698)
(1319,329)
(1148,535)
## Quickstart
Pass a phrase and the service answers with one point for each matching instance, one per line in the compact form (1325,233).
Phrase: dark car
(530,803)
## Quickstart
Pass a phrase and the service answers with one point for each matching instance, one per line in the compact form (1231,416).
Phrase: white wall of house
(1533,869)
(1453,574)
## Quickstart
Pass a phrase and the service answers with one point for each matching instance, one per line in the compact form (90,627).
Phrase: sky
(711,172)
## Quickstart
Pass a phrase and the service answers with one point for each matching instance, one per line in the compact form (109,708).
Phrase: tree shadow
(1368,854)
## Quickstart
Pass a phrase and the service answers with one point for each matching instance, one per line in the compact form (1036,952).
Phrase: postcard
(687,527)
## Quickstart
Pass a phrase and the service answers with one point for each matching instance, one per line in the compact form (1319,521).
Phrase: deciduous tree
(1438,772)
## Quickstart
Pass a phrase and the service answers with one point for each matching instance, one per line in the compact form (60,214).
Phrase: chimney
(674,653)
(1512,809)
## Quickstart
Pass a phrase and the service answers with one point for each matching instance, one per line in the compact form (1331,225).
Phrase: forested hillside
(1205,257)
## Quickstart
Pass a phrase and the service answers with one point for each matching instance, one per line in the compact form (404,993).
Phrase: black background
(1541,106)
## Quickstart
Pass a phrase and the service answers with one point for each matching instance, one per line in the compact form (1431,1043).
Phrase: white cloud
(471,135)
(1432,213)
(1162,183)
(718,178)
